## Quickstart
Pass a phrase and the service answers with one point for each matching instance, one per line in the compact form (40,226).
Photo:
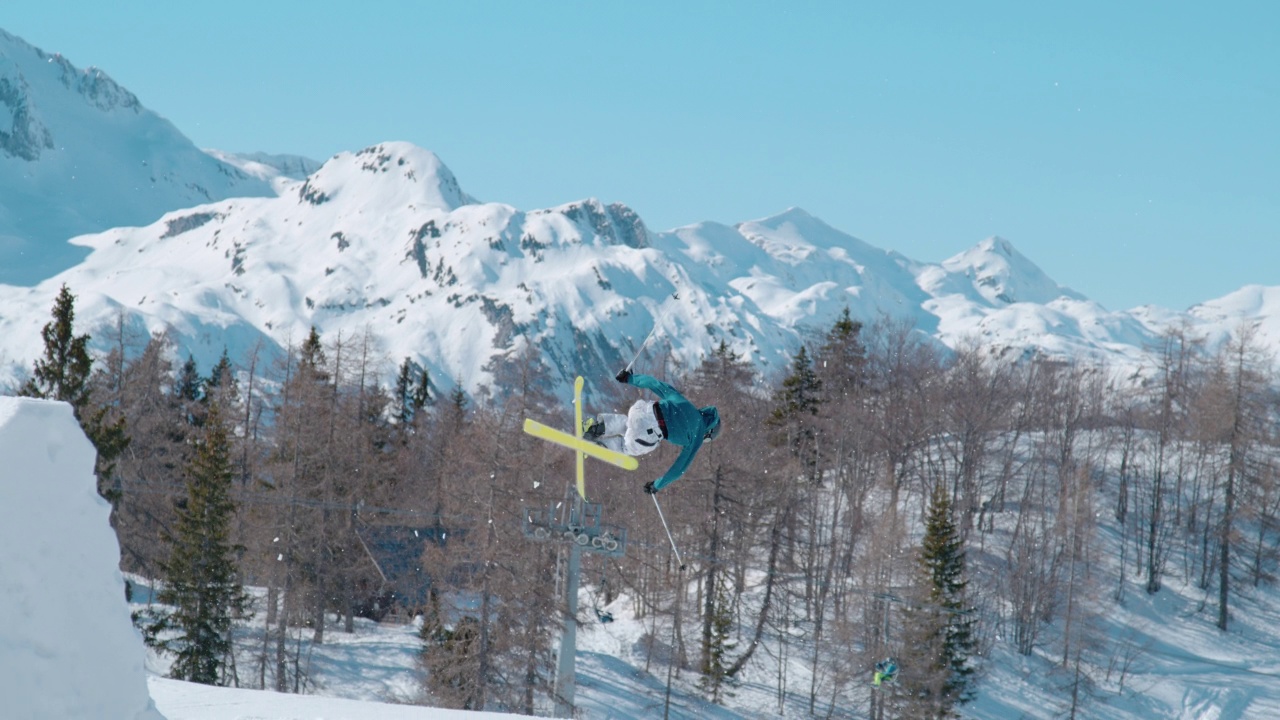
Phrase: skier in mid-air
(672,418)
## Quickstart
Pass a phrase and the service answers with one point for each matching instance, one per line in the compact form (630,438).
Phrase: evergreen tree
(188,394)
(723,372)
(220,387)
(63,374)
(842,359)
(801,392)
(189,386)
(202,583)
(411,392)
(222,379)
(421,393)
(940,640)
(312,358)
(796,408)
(455,417)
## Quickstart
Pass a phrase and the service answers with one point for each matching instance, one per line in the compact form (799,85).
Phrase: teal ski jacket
(685,424)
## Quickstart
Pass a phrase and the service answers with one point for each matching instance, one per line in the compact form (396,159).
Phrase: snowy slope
(794,269)
(79,153)
(67,648)
(1146,656)
(385,241)
(189,701)
(1150,657)
(269,167)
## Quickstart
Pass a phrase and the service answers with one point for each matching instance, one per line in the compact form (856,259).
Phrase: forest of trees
(882,498)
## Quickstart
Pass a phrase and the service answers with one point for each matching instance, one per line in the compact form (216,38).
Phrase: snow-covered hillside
(67,647)
(385,242)
(79,153)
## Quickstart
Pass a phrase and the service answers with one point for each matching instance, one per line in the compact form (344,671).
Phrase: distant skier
(886,672)
(672,418)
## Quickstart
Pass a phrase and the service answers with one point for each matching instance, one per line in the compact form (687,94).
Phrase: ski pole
(663,518)
(665,310)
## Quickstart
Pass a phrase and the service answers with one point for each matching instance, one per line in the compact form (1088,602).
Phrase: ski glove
(649,488)
(623,376)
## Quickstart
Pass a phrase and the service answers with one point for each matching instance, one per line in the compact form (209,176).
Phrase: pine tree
(188,394)
(940,640)
(422,393)
(797,404)
(312,358)
(411,393)
(801,392)
(63,374)
(202,582)
(456,412)
(724,371)
(189,385)
(842,359)
(221,382)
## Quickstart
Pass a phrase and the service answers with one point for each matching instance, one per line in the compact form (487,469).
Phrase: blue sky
(1130,149)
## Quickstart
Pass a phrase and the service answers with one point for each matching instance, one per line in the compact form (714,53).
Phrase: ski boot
(593,430)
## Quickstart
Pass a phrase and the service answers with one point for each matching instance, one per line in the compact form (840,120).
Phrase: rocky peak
(614,224)
(407,173)
(22,134)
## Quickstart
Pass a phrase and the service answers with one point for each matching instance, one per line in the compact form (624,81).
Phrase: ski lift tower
(575,522)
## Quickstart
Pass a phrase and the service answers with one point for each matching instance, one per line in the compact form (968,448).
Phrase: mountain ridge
(79,153)
(242,251)
(384,241)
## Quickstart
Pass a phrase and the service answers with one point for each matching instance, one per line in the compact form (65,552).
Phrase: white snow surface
(67,647)
(189,701)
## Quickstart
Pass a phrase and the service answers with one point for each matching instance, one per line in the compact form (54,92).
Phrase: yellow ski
(577,431)
(586,447)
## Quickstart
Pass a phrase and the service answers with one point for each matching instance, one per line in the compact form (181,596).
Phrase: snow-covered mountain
(246,251)
(385,241)
(79,153)
(275,169)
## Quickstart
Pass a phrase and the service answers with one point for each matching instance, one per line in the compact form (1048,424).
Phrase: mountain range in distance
(238,252)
